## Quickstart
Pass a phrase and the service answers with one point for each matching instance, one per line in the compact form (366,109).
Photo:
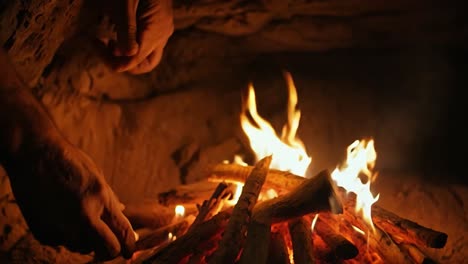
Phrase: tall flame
(360,161)
(288,151)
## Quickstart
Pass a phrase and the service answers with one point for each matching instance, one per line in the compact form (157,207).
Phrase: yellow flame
(357,229)
(288,151)
(360,162)
(314,221)
(179,211)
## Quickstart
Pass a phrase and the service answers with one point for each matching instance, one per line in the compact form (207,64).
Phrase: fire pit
(269,214)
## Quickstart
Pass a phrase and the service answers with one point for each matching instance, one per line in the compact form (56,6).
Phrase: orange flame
(360,161)
(288,151)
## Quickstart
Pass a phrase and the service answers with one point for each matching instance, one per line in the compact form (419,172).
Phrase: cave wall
(151,132)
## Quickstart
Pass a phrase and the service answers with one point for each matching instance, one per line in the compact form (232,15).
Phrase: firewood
(412,231)
(257,244)
(213,205)
(234,235)
(187,244)
(399,226)
(312,195)
(278,251)
(150,238)
(301,238)
(286,181)
(281,181)
(416,254)
(379,241)
(341,247)
(188,194)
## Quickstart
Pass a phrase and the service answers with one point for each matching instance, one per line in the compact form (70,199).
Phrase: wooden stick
(151,238)
(338,244)
(278,251)
(285,181)
(213,205)
(399,226)
(234,235)
(257,244)
(313,195)
(188,194)
(301,238)
(187,244)
(416,254)
(379,241)
(281,181)
(412,231)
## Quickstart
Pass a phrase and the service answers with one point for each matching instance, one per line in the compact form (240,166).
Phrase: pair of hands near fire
(143,28)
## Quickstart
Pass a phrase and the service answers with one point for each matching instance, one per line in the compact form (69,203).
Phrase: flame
(314,221)
(171,237)
(179,211)
(357,229)
(360,161)
(288,151)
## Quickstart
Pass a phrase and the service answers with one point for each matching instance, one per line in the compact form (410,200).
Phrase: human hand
(143,29)
(66,200)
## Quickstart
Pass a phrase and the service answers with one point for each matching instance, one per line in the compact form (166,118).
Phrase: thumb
(126,27)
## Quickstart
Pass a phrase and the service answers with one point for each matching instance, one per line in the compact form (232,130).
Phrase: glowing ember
(288,151)
(314,221)
(360,161)
(179,211)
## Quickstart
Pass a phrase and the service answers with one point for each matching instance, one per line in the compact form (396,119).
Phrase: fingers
(126,27)
(122,229)
(107,245)
(149,63)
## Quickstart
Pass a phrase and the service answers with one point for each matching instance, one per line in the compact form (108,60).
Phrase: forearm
(23,119)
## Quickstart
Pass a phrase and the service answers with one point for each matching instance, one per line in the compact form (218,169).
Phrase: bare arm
(62,194)
(22,117)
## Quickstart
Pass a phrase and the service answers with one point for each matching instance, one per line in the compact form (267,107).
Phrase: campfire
(273,212)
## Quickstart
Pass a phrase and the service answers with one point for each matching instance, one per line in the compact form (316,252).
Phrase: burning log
(150,238)
(379,241)
(213,205)
(278,251)
(301,238)
(341,247)
(276,179)
(257,244)
(187,244)
(412,231)
(234,235)
(388,221)
(312,195)
(416,254)
(148,214)
(187,195)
